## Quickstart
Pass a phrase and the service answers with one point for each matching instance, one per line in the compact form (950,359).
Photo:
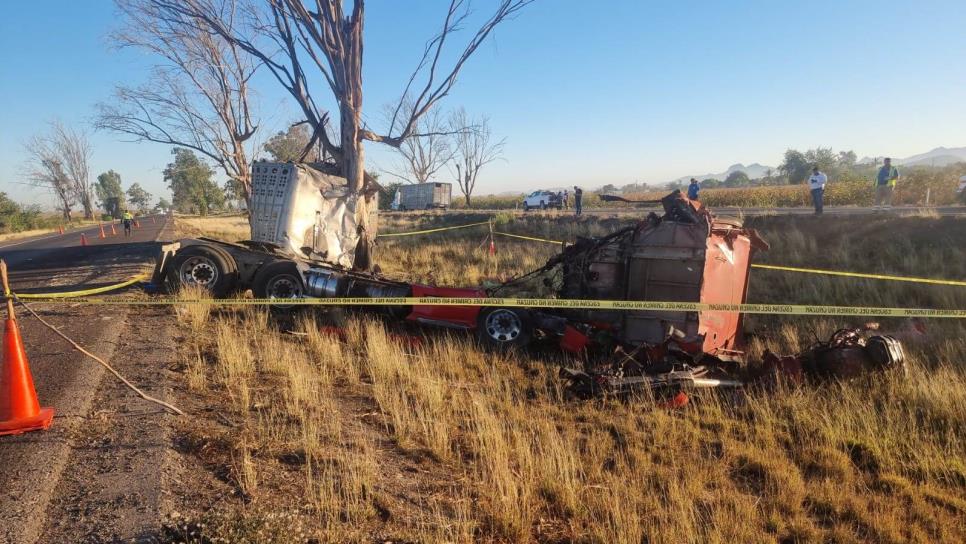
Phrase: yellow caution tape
(529,238)
(82,293)
(803,270)
(859,275)
(441,229)
(574,304)
(762,266)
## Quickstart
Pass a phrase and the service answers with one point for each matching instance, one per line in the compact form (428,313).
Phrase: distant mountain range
(941,156)
(753,170)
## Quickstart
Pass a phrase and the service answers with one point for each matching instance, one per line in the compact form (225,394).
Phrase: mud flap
(160,264)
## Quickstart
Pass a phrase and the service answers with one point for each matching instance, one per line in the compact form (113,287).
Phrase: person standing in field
(578,200)
(566,199)
(816,182)
(693,189)
(885,184)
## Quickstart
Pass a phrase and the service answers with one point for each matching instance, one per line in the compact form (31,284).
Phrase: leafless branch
(58,161)
(198,96)
(474,149)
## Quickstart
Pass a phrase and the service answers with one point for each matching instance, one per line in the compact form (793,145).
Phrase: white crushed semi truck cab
(303,239)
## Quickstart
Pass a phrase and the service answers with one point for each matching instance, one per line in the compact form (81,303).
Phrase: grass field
(370,436)
(940,183)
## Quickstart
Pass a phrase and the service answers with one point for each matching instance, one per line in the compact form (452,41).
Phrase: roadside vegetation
(853,190)
(15,217)
(373,432)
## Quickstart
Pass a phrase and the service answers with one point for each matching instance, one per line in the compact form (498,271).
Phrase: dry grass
(230,228)
(367,437)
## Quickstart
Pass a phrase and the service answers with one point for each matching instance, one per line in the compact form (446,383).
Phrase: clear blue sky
(584,92)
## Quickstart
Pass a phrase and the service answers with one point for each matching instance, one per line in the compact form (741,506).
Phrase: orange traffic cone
(20,410)
(113,232)
(136,224)
(61,229)
(152,220)
(83,239)
(492,247)
(102,232)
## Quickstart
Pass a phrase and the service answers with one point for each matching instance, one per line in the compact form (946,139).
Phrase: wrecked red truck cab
(686,255)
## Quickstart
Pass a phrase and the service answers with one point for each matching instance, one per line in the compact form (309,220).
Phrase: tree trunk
(88,207)
(467,200)
(350,121)
(353,168)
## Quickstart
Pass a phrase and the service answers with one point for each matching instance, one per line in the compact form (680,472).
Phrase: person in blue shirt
(693,189)
(885,185)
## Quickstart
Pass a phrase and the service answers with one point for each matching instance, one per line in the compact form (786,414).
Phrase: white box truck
(423,196)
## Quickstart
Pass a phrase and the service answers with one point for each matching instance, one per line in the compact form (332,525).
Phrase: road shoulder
(111,489)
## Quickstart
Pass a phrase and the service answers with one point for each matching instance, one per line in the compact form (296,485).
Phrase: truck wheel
(205,267)
(543,205)
(504,328)
(279,280)
(526,207)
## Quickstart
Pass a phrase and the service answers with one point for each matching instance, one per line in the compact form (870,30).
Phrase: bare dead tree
(58,160)
(474,149)
(44,168)
(294,37)
(73,150)
(423,156)
(198,97)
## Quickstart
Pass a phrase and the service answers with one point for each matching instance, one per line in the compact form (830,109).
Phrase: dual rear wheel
(213,269)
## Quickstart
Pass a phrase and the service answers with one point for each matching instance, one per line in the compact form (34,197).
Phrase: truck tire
(543,205)
(279,280)
(504,328)
(204,266)
(526,207)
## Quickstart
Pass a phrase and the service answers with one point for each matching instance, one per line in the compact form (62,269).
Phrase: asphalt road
(31,464)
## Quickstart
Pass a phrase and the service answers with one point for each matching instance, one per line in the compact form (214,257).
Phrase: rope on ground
(103,363)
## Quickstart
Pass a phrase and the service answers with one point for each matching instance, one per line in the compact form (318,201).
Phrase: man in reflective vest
(127,219)
(885,184)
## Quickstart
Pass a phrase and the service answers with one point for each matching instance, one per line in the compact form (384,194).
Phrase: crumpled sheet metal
(305,212)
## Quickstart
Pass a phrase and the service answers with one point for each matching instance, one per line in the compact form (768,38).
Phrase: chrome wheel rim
(200,271)
(284,287)
(503,325)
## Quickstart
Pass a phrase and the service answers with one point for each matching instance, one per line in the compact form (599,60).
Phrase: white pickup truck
(542,200)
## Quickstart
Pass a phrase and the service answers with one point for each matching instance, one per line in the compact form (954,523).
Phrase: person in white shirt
(817,183)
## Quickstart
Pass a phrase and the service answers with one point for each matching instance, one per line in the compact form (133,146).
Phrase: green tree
(710,183)
(192,188)
(795,166)
(826,160)
(288,146)
(738,178)
(387,193)
(110,195)
(139,197)
(163,204)
(847,159)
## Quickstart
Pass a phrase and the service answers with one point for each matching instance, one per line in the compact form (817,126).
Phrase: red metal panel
(464,316)
(726,267)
